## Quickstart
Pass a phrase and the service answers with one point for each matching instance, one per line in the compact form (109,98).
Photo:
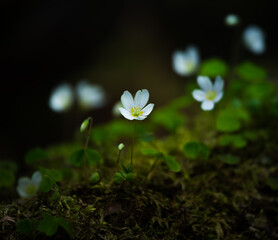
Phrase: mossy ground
(207,199)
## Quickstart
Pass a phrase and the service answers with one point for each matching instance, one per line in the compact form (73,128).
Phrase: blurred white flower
(232,20)
(61,98)
(254,39)
(121,146)
(209,93)
(27,187)
(116,112)
(90,96)
(135,109)
(186,63)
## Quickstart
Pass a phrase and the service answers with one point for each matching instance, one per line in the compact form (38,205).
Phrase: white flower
(61,98)
(231,20)
(27,187)
(116,112)
(90,96)
(186,63)
(209,93)
(254,39)
(135,109)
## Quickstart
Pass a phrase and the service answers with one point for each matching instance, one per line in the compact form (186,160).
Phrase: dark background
(122,45)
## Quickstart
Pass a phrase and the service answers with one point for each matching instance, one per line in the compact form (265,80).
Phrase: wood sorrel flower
(27,187)
(209,93)
(186,63)
(90,96)
(254,39)
(61,98)
(135,108)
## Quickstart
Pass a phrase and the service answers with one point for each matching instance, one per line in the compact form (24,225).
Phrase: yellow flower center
(30,189)
(190,65)
(136,112)
(211,95)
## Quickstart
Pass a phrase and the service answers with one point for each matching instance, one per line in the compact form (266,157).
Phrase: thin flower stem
(89,132)
(151,169)
(118,159)
(132,146)
(90,119)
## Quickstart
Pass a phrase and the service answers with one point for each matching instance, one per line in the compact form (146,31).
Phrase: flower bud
(121,146)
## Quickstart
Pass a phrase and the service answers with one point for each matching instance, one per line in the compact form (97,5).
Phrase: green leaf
(196,149)
(227,122)
(7,178)
(53,174)
(150,152)
(272,183)
(214,67)
(77,158)
(64,224)
(48,225)
(93,157)
(168,118)
(46,184)
(118,177)
(259,91)
(229,159)
(130,177)
(26,226)
(236,141)
(172,163)
(35,155)
(250,72)
(147,137)
(94,178)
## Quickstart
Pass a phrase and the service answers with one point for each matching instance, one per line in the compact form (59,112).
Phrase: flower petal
(218,97)
(204,83)
(207,105)
(218,84)
(127,100)
(23,182)
(141,98)
(147,110)
(179,63)
(142,117)
(126,113)
(36,179)
(199,95)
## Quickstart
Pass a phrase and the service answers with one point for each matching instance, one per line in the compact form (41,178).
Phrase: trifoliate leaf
(172,163)
(150,152)
(236,141)
(214,67)
(227,122)
(94,178)
(250,72)
(48,225)
(93,157)
(229,159)
(168,118)
(35,155)
(196,149)
(53,174)
(77,158)
(118,177)
(64,224)
(46,184)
